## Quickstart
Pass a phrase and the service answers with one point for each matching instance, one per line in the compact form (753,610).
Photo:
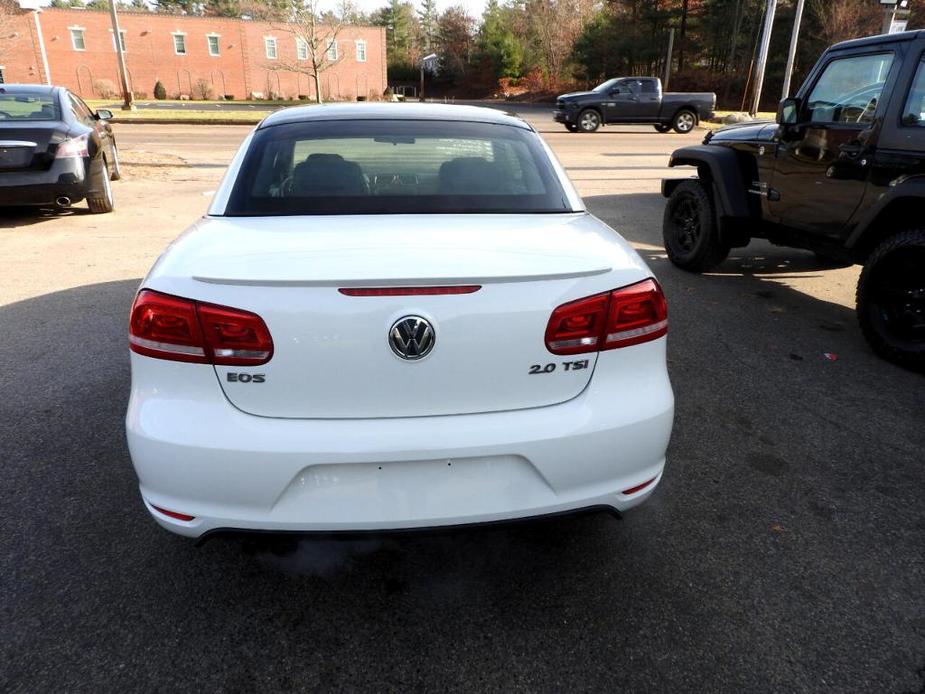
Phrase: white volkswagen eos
(395,316)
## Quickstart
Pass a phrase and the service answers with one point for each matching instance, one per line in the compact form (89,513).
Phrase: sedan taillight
(169,327)
(75,147)
(628,316)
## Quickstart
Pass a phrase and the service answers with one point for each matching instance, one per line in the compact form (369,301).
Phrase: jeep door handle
(850,150)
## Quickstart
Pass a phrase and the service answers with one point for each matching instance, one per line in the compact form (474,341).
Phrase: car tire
(684,121)
(116,173)
(660,127)
(103,203)
(589,120)
(690,230)
(891,299)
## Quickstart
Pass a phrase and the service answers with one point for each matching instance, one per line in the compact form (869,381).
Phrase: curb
(185,121)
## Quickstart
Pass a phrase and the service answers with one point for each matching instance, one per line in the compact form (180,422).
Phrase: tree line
(540,47)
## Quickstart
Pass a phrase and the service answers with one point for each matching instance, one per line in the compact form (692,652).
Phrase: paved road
(782,552)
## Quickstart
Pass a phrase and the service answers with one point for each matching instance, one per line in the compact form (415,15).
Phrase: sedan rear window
(26,107)
(391,167)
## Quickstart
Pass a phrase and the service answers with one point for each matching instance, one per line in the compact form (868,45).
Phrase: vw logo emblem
(412,337)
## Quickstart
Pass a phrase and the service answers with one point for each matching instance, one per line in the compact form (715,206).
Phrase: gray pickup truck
(633,100)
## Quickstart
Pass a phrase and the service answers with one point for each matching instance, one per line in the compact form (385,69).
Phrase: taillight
(620,318)
(75,147)
(168,327)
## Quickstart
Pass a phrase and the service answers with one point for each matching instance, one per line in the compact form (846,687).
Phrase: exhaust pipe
(63,201)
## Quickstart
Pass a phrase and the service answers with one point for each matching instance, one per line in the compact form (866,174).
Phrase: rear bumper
(66,177)
(196,454)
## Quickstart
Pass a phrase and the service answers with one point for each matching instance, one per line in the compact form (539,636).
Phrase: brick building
(232,56)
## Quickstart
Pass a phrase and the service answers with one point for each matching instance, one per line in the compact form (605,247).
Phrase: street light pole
(763,53)
(791,54)
(889,14)
(423,62)
(127,96)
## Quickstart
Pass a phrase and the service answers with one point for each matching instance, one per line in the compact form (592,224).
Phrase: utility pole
(668,59)
(792,53)
(38,32)
(763,54)
(889,14)
(128,99)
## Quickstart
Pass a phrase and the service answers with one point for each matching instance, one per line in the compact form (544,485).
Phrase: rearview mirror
(103,114)
(788,113)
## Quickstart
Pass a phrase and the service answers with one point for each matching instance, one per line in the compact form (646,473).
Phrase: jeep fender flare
(893,210)
(722,165)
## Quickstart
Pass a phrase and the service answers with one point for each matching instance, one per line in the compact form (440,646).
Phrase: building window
(179,44)
(121,39)
(77,39)
(301,49)
(361,51)
(214,47)
(269,44)
(332,50)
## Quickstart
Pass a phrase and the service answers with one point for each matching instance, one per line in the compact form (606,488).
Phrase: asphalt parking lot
(783,552)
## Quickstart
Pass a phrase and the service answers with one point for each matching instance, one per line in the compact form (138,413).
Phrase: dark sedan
(54,150)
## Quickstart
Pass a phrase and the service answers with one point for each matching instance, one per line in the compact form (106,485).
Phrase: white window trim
(332,44)
(266,47)
(112,38)
(301,47)
(83,37)
(360,42)
(218,44)
(173,37)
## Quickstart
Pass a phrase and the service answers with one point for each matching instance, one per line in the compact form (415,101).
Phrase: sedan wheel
(102,204)
(684,122)
(589,120)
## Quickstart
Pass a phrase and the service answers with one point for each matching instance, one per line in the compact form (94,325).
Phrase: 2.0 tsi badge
(412,337)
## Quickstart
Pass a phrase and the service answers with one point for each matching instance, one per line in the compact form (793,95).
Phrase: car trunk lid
(313,281)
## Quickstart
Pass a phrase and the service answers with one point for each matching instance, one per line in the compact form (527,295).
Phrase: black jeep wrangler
(841,173)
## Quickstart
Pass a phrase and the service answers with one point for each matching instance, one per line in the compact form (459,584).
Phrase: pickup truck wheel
(891,299)
(589,120)
(690,231)
(662,128)
(684,121)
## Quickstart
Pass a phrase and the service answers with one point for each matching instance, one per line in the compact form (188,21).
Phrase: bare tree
(315,41)
(841,20)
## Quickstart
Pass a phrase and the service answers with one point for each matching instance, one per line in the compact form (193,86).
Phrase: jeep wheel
(589,120)
(684,121)
(690,231)
(662,128)
(891,299)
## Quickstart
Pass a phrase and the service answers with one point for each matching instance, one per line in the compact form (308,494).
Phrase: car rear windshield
(392,167)
(25,107)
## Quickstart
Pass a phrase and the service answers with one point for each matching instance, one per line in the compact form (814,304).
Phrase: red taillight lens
(638,313)
(620,318)
(168,327)
(410,291)
(576,327)
(75,147)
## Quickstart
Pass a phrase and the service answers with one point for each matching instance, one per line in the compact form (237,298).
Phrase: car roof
(880,39)
(392,111)
(27,89)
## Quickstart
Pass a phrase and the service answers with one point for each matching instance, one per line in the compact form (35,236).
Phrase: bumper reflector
(173,514)
(638,487)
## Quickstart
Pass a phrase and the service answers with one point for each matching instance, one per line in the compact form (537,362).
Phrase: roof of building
(392,111)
